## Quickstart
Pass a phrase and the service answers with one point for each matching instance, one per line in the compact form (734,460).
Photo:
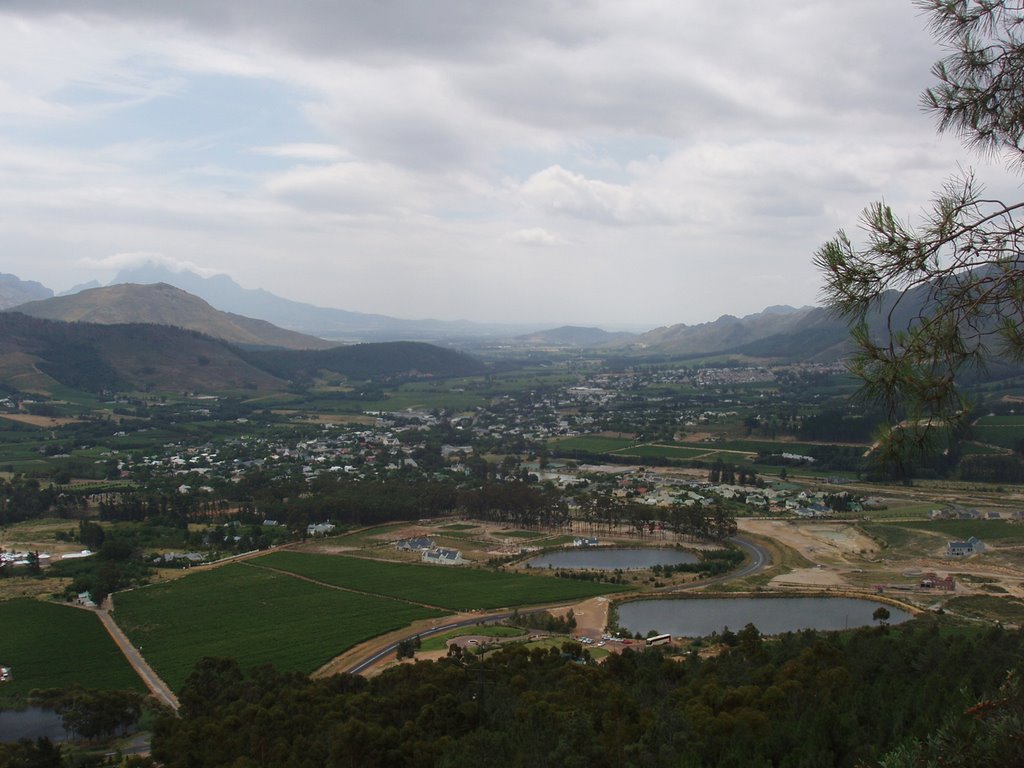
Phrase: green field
(52,646)
(1007,420)
(1004,431)
(255,616)
(1006,609)
(593,444)
(669,452)
(987,530)
(451,587)
(439,642)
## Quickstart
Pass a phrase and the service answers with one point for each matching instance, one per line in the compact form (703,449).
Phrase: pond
(31,723)
(610,558)
(695,617)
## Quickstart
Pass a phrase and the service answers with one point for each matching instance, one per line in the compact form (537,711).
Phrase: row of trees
(25,498)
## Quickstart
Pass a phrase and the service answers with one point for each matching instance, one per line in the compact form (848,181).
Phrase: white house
(442,556)
(319,529)
(415,544)
(965,548)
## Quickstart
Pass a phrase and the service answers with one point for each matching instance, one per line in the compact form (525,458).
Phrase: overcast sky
(635,163)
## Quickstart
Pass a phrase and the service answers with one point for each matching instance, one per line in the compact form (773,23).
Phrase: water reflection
(31,723)
(772,615)
(610,558)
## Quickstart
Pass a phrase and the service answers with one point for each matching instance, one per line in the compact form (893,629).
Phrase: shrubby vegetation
(806,699)
(92,714)
(543,620)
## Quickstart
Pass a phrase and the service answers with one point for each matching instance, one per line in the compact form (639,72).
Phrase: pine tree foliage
(958,272)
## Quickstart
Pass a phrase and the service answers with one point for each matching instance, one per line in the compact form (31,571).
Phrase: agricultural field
(254,615)
(453,588)
(1004,431)
(767,446)
(674,452)
(901,538)
(52,646)
(1002,609)
(993,531)
(593,444)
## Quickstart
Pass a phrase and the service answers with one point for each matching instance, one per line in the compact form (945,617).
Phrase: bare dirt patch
(591,616)
(327,418)
(820,542)
(39,421)
(810,577)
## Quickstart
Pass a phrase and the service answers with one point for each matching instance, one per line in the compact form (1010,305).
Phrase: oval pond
(610,558)
(695,617)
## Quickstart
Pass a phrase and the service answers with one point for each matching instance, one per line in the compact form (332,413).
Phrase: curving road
(760,559)
(365,664)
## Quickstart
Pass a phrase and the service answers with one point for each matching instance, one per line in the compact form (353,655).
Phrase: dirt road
(157,687)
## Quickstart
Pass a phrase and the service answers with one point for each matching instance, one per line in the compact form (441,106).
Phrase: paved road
(365,664)
(760,558)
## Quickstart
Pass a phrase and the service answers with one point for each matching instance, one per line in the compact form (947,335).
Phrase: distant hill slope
(574,336)
(812,334)
(225,294)
(728,333)
(15,291)
(35,354)
(163,304)
(374,360)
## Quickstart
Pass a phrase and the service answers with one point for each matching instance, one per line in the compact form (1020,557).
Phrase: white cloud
(119,261)
(385,146)
(305,152)
(535,236)
(560,191)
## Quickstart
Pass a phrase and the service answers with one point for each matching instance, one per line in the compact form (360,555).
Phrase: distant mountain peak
(165,304)
(15,291)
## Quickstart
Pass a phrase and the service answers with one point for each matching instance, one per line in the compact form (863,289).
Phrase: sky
(599,162)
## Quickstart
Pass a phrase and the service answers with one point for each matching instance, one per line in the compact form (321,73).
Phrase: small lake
(697,617)
(610,558)
(31,723)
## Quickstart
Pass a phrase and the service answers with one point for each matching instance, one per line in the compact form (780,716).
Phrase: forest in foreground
(906,696)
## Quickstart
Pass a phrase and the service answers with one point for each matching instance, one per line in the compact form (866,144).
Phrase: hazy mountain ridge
(574,336)
(14,291)
(728,332)
(164,304)
(343,325)
(777,332)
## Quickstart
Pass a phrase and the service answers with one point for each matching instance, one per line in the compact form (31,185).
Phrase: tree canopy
(934,298)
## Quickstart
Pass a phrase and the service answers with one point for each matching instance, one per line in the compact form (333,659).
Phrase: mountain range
(778,332)
(218,306)
(336,324)
(164,304)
